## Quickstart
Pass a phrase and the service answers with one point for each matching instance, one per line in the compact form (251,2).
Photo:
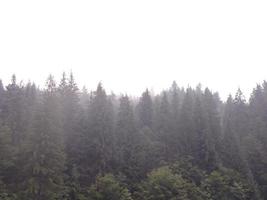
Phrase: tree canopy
(63,143)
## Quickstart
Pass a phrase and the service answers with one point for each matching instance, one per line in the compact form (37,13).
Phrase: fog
(133,45)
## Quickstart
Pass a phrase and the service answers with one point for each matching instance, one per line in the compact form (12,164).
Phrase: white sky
(131,45)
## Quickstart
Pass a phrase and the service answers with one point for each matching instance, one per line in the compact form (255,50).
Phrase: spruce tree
(175,110)
(7,163)
(71,117)
(145,110)
(163,126)
(125,133)
(186,122)
(15,110)
(46,159)
(98,142)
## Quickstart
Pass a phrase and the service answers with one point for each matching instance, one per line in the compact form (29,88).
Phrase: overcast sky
(131,45)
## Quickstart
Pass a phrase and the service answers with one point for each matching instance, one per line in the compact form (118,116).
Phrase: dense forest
(65,143)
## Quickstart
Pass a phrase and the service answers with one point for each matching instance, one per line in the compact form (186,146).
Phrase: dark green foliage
(108,188)
(7,162)
(45,163)
(97,145)
(163,184)
(71,118)
(145,110)
(126,134)
(15,112)
(163,126)
(186,122)
(60,143)
(227,185)
(188,170)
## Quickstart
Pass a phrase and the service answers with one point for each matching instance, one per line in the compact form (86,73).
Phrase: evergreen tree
(145,110)
(2,100)
(199,140)
(175,109)
(59,143)
(125,135)
(255,142)
(228,185)
(186,122)
(108,188)
(231,151)
(213,129)
(99,139)
(235,130)
(163,184)
(164,126)
(71,118)
(7,163)
(45,164)
(15,110)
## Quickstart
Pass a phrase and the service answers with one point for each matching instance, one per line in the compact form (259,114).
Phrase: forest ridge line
(60,142)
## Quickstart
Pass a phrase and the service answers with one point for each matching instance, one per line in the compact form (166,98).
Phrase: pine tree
(164,126)
(108,188)
(45,164)
(7,162)
(2,100)
(186,122)
(57,142)
(70,109)
(163,184)
(235,130)
(145,110)
(255,142)
(231,149)
(125,133)
(175,108)
(71,117)
(200,136)
(15,110)
(98,142)
(212,108)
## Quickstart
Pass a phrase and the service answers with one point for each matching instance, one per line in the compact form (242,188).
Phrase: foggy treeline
(65,143)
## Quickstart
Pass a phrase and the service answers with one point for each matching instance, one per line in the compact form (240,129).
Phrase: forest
(62,142)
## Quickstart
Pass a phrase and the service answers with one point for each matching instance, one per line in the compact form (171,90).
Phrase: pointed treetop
(63,82)
(239,97)
(100,90)
(146,96)
(207,91)
(174,86)
(229,99)
(99,87)
(257,90)
(34,86)
(257,94)
(146,109)
(72,82)
(13,79)
(71,78)
(146,93)
(208,94)
(264,85)
(50,84)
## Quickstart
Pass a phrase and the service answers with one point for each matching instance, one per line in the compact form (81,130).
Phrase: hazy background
(131,45)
